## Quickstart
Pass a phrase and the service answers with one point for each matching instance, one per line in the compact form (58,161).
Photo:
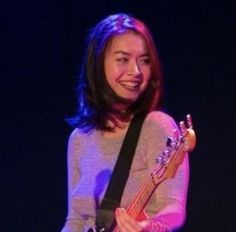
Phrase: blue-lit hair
(95,96)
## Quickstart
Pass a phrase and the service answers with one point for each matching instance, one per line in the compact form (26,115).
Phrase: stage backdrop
(42,43)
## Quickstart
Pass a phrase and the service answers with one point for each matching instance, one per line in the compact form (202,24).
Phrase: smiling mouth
(130,85)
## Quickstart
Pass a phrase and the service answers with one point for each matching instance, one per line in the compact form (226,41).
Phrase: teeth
(129,84)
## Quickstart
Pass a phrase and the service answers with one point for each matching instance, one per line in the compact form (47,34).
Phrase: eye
(122,60)
(145,61)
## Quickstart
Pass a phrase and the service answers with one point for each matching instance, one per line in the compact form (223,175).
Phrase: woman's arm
(167,208)
(74,223)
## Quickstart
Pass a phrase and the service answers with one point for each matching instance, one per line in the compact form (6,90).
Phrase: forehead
(129,42)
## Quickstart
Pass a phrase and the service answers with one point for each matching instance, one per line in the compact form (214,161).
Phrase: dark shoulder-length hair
(94,95)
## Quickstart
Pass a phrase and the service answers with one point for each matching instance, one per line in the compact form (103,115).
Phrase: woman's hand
(127,224)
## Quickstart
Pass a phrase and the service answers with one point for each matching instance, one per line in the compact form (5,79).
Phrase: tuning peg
(182,128)
(160,159)
(166,154)
(189,121)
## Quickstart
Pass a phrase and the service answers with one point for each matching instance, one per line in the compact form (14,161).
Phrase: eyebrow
(128,54)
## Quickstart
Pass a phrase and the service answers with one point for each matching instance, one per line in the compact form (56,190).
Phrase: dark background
(42,43)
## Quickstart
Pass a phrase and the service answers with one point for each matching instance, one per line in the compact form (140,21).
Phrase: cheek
(147,74)
(146,79)
(113,72)
(110,73)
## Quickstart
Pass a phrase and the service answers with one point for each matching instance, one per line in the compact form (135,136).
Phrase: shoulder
(74,135)
(78,141)
(77,136)
(160,119)
(158,124)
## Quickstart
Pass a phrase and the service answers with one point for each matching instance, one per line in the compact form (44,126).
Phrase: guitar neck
(140,201)
(160,173)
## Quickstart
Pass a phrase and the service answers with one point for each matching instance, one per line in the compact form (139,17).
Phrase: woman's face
(127,65)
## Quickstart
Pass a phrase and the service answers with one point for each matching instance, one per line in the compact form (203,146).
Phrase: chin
(131,100)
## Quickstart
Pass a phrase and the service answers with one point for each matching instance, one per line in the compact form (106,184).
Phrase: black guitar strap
(112,198)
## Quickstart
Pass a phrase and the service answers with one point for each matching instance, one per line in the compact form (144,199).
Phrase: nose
(134,69)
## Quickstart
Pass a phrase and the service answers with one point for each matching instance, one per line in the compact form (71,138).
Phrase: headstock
(182,142)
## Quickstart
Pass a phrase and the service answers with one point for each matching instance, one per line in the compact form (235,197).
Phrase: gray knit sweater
(91,159)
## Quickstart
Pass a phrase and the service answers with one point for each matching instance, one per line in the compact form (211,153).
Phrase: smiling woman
(127,66)
(96,97)
(121,78)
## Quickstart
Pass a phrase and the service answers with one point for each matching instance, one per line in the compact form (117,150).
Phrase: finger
(126,223)
(130,221)
(122,222)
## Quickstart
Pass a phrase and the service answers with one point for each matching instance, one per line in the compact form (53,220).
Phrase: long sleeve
(167,207)
(74,222)
(91,159)
(172,213)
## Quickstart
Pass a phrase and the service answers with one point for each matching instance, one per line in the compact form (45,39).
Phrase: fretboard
(146,191)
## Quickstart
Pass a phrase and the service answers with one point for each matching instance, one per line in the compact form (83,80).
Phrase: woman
(121,76)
